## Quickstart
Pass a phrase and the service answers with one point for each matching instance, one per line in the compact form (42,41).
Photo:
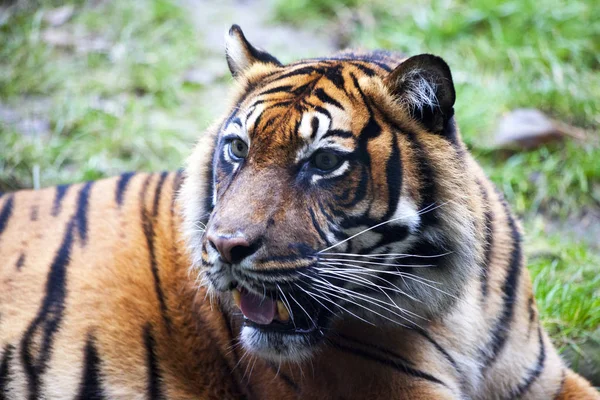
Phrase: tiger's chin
(278,331)
(279,346)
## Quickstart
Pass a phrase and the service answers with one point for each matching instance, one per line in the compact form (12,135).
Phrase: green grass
(566,283)
(121,107)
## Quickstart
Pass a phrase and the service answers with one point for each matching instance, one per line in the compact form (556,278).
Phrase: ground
(91,89)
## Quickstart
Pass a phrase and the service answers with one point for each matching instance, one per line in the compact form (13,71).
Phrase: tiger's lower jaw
(280,345)
(279,332)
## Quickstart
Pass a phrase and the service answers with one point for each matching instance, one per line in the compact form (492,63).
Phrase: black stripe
(80,216)
(91,385)
(20,261)
(395,364)
(428,192)
(439,348)
(382,349)
(157,192)
(531,311)
(321,110)
(325,98)
(299,71)
(148,228)
(322,234)
(366,70)
(338,132)
(314,126)
(121,186)
(533,373)
(257,121)
(335,74)
(509,289)
(393,171)
(489,242)
(360,192)
(381,65)
(154,384)
(177,181)
(6,212)
(5,371)
(305,89)
(61,191)
(278,89)
(49,317)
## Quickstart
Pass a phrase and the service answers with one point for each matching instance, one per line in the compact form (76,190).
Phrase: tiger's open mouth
(283,324)
(269,312)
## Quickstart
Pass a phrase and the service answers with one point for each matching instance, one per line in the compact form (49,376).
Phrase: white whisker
(369,272)
(366,298)
(324,297)
(332,293)
(382,264)
(317,300)
(387,255)
(349,277)
(305,312)
(287,303)
(332,266)
(383,290)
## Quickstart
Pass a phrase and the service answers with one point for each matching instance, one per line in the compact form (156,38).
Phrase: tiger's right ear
(241,54)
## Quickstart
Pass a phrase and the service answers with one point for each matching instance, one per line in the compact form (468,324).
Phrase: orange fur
(98,300)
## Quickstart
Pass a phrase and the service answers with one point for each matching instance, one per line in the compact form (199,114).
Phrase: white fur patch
(306,131)
(236,53)
(419,92)
(339,171)
(252,116)
(306,128)
(290,347)
(406,214)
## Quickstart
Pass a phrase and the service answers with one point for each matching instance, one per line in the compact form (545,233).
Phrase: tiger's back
(84,308)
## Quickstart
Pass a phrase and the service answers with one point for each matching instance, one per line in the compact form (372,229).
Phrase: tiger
(330,237)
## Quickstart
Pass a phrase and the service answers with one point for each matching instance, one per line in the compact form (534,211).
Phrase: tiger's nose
(231,249)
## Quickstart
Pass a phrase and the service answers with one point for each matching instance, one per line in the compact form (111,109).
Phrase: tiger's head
(334,189)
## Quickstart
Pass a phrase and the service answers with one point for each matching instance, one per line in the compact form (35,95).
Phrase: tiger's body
(98,301)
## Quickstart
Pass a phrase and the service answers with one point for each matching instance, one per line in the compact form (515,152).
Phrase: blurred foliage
(120,106)
(303,10)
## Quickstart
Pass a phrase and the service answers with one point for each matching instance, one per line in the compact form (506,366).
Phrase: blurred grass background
(130,85)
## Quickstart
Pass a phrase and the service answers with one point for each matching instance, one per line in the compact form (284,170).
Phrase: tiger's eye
(326,161)
(238,148)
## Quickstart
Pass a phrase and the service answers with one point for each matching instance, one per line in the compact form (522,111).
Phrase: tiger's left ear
(424,85)
(241,54)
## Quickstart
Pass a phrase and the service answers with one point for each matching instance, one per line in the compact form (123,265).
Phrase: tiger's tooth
(282,312)
(237,298)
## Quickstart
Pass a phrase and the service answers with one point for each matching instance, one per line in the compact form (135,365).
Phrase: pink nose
(232,249)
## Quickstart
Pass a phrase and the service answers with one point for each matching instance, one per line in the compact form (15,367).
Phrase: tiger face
(325,195)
